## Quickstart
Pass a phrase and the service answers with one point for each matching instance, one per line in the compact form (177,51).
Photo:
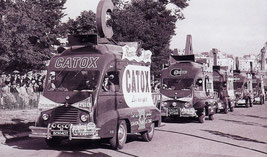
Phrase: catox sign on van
(178,72)
(76,62)
(136,86)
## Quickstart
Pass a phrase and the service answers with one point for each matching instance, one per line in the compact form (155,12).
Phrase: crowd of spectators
(20,91)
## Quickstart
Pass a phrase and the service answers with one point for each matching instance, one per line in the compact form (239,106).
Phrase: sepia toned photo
(133,78)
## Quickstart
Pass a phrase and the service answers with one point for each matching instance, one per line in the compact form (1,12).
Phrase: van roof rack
(75,40)
(184,57)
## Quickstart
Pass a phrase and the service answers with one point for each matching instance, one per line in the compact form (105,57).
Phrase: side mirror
(199,82)
(224,84)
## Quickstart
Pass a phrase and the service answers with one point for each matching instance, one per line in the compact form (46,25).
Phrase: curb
(12,138)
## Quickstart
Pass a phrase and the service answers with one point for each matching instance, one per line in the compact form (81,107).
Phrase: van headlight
(45,117)
(186,105)
(164,104)
(174,104)
(84,118)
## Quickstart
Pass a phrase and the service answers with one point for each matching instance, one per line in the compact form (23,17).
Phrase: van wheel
(53,142)
(250,103)
(262,100)
(201,116)
(211,117)
(119,140)
(163,118)
(247,103)
(225,110)
(148,135)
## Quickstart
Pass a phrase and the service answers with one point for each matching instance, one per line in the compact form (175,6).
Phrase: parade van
(186,89)
(97,89)
(243,88)
(223,86)
(258,88)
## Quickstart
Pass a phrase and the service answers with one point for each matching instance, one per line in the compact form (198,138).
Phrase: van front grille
(66,114)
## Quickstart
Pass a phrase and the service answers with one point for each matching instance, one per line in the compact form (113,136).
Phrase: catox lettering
(136,86)
(76,62)
(137,81)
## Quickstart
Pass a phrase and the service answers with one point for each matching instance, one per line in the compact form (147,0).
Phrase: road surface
(240,133)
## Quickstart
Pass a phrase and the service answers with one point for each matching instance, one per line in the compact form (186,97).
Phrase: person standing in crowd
(30,92)
(2,82)
(8,98)
(23,96)
(14,91)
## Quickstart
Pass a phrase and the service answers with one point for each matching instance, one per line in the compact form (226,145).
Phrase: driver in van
(108,85)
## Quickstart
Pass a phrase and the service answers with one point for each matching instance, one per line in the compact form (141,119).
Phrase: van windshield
(254,85)
(72,80)
(238,85)
(177,83)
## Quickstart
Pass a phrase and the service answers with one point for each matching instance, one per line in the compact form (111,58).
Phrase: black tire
(119,140)
(247,103)
(225,110)
(148,135)
(250,103)
(163,118)
(262,101)
(211,117)
(217,110)
(53,142)
(202,115)
(231,109)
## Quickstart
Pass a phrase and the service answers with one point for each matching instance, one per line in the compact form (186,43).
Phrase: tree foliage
(28,30)
(151,22)
(83,24)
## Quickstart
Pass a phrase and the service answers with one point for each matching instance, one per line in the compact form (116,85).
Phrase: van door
(106,112)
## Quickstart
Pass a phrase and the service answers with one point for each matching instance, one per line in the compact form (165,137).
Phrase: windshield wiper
(60,72)
(77,73)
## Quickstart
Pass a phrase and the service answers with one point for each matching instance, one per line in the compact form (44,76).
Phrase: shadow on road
(209,139)
(254,116)
(73,148)
(12,129)
(244,123)
(82,154)
(181,120)
(234,137)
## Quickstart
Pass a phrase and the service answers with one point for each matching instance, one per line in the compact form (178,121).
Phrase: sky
(235,27)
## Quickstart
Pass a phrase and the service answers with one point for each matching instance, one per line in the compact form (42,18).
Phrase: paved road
(241,133)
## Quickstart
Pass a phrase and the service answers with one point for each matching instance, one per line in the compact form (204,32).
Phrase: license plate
(187,111)
(174,111)
(60,133)
(83,130)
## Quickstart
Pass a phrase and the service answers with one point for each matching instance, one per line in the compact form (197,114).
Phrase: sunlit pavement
(241,133)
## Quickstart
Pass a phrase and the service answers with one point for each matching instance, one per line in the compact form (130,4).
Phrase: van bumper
(70,133)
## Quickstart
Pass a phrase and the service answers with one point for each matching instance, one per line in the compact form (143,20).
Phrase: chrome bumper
(43,132)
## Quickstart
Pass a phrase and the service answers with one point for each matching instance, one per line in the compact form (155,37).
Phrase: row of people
(20,91)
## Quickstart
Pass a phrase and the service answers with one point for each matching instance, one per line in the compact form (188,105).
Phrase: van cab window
(199,84)
(177,83)
(75,81)
(111,82)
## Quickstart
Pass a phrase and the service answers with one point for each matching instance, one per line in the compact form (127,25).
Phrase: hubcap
(121,133)
(151,129)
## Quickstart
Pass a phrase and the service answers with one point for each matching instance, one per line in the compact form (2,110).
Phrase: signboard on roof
(133,54)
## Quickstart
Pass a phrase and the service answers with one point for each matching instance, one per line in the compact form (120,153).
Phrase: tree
(148,21)
(29,29)
(83,24)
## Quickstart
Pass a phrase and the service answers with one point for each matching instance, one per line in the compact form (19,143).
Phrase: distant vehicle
(97,89)
(223,85)
(186,90)
(258,89)
(243,88)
